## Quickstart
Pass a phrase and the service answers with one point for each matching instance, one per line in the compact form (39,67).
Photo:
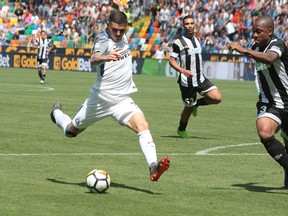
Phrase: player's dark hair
(187,17)
(118,17)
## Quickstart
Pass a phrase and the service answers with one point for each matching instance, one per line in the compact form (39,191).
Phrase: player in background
(271,56)
(110,94)
(159,55)
(186,58)
(43,44)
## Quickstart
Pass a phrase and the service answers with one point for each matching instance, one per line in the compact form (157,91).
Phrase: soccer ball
(98,181)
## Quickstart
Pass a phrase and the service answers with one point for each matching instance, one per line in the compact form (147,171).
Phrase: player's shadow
(178,137)
(251,186)
(113,184)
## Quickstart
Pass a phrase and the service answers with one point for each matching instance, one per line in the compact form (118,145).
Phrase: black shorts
(189,94)
(40,61)
(270,111)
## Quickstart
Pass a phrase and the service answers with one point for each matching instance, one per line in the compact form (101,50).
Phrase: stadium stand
(150,26)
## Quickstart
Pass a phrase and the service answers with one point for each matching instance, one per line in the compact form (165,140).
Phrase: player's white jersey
(114,78)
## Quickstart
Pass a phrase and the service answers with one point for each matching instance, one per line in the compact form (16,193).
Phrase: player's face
(261,34)
(189,25)
(43,35)
(116,31)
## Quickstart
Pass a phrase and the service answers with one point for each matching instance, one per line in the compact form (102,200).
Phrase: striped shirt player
(273,84)
(43,45)
(110,94)
(189,53)
(186,58)
(273,79)
(271,56)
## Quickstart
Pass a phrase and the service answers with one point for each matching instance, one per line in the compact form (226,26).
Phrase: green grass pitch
(221,170)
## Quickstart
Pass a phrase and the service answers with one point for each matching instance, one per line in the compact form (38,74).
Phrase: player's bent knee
(145,125)
(70,134)
(71,131)
(218,100)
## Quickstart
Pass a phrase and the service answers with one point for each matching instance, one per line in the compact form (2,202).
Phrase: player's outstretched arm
(266,58)
(97,58)
(117,4)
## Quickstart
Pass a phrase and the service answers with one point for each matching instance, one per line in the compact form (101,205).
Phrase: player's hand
(187,73)
(115,55)
(117,4)
(235,46)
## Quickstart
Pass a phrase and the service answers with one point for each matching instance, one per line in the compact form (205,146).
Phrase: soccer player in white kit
(110,94)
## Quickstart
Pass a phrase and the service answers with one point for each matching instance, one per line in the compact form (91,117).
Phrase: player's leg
(138,123)
(129,114)
(212,97)
(267,123)
(284,134)
(63,121)
(91,111)
(211,94)
(44,68)
(285,140)
(266,128)
(189,96)
(184,118)
(39,69)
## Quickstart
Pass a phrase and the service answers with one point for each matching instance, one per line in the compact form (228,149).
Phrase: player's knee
(218,99)
(264,134)
(143,126)
(213,97)
(70,131)
(70,134)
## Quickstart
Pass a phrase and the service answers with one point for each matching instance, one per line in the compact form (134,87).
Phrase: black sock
(276,151)
(201,102)
(182,126)
(43,76)
(40,75)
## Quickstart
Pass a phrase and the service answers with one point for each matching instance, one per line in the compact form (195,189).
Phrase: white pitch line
(207,151)
(203,152)
(71,154)
(28,87)
(92,154)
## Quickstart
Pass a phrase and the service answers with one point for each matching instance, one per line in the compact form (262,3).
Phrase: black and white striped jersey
(43,45)
(273,78)
(190,58)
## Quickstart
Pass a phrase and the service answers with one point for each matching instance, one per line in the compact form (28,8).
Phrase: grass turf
(43,172)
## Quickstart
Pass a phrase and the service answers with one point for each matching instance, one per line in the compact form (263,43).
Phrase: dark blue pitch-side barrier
(70,59)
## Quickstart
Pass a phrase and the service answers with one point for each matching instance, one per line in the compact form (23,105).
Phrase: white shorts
(94,110)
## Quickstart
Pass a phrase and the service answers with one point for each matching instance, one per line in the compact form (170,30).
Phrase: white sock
(62,120)
(147,146)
